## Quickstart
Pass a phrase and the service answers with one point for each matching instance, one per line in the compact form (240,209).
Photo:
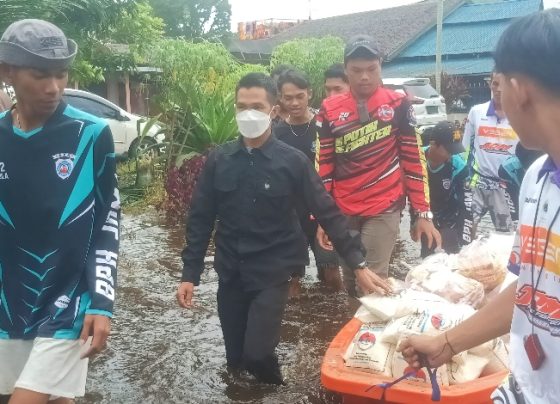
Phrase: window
(92,107)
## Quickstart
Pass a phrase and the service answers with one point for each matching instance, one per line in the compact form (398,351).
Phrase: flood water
(159,353)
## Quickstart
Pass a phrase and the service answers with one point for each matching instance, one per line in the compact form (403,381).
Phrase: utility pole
(438,44)
(309,2)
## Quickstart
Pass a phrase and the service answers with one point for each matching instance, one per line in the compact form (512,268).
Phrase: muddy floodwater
(159,353)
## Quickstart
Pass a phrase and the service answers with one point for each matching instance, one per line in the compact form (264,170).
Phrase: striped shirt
(371,161)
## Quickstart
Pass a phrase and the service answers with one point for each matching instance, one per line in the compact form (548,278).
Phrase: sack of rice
(465,368)
(431,322)
(400,367)
(404,303)
(365,316)
(498,359)
(368,352)
(484,349)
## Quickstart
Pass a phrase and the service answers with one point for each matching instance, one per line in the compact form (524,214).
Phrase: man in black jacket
(252,186)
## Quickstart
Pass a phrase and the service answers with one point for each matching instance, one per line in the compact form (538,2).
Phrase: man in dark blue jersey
(59,223)
(449,198)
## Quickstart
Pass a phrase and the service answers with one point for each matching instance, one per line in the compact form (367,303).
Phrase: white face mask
(252,123)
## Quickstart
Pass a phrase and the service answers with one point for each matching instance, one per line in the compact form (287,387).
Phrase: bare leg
(22,396)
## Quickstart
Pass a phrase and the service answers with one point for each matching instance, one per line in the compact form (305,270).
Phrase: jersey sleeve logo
(64,164)
(343,116)
(411,115)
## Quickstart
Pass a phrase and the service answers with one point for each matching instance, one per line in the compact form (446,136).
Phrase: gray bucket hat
(36,44)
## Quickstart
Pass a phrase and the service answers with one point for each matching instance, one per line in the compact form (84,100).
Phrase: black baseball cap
(358,42)
(445,134)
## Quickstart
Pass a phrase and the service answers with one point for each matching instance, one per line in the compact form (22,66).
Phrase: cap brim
(455,148)
(16,55)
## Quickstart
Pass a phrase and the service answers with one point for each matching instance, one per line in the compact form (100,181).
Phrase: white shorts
(44,365)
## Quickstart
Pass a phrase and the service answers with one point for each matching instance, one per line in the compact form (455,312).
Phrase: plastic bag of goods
(401,304)
(431,322)
(509,279)
(435,275)
(368,352)
(400,367)
(485,260)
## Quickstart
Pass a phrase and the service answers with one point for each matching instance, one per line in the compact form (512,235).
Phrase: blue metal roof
(459,39)
(472,28)
(426,68)
(501,10)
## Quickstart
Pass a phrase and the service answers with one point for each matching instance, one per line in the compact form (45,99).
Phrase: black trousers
(323,258)
(251,323)
(450,241)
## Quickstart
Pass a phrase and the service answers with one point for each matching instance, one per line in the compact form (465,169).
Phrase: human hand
(370,282)
(424,350)
(426,227)
(98,327)
(185,293)
(323,239)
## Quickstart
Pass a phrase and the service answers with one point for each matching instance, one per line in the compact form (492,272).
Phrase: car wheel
(144,145)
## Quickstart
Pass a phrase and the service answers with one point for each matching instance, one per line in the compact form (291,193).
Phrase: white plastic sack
(465,368)
(485,349)
(498,359)
(365,316)
(397,285)
(368,352)
(431,322)
(400,367)
(404,303)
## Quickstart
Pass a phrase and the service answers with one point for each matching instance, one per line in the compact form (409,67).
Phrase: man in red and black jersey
(370,158)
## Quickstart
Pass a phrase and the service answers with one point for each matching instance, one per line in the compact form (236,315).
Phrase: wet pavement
(159,353)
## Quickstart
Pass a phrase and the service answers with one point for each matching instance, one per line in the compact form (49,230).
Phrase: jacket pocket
(274,199)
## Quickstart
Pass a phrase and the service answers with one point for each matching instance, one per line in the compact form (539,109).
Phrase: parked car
(429,106)
(127,128)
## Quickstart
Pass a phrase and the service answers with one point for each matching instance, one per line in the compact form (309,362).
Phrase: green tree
(81,20)
(313,56)
(94,24)
(194,19)
(75,17)
(125,43)
(198,83)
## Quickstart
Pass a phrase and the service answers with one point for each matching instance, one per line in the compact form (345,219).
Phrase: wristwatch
(361,265)
(428,215)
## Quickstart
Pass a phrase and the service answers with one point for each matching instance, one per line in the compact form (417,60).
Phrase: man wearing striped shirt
(370,159)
